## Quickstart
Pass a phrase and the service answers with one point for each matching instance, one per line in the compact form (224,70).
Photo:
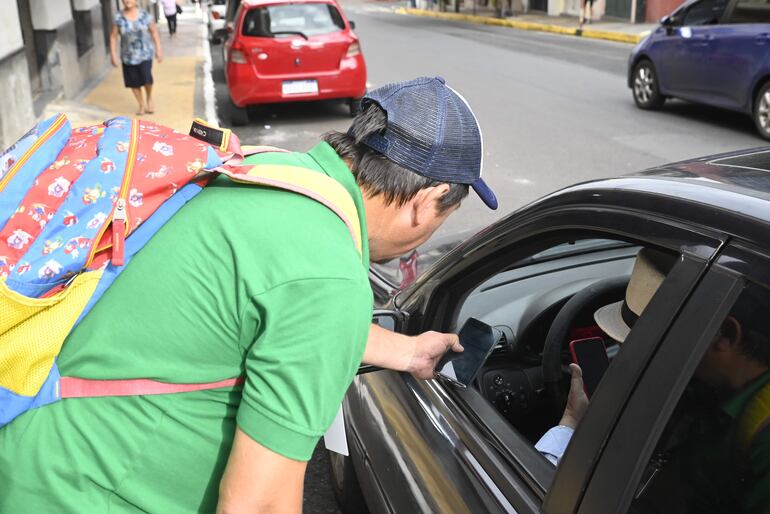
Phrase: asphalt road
(555,110)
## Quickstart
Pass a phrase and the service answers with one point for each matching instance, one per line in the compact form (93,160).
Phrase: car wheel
(762,111)
(645,87)
(354,104)
(345,485)
(238,116)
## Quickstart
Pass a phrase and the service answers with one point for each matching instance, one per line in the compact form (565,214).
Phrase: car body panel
(272,61)
(419,444)
(216,18)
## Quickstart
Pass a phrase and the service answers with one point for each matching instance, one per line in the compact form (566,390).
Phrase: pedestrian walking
(255,282)
(586,12)
(170,9)
(139,43)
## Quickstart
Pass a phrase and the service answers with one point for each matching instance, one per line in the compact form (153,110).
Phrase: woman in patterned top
(139,42)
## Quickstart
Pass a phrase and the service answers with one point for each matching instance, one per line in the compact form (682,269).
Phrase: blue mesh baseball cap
(431,131)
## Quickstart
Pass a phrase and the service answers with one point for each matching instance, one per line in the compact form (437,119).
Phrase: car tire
(762,111)
(645,86)
(238,116)
(354,104)
(345,485)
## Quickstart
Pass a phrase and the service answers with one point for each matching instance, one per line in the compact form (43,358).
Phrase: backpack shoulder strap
(312,184)
(754,419)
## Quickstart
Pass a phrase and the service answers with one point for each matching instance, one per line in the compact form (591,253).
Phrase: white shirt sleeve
(554,442)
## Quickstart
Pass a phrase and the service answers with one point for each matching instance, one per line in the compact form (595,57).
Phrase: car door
(740,54)
(640,470)
(426,446)
(692,73)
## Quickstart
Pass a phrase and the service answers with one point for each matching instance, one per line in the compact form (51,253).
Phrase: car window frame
(728,19)
(613,486)
(698,244)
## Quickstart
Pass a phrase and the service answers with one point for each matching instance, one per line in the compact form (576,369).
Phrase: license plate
(298,87)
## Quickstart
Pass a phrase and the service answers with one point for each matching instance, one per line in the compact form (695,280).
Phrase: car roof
(729,193)
(258,3)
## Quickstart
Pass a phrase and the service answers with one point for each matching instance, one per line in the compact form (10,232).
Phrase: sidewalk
(178,83)
(621,32)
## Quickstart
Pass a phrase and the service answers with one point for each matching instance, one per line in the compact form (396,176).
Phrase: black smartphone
(591,355)
(478,339)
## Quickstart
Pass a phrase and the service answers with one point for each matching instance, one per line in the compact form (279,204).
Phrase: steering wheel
(554,383)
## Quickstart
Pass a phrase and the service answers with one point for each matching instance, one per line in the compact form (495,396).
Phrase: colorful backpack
(75,206)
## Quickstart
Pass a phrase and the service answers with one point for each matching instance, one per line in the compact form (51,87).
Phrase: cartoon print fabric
(62,223)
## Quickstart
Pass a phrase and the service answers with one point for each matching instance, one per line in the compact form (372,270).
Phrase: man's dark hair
(378,175)
(752,310)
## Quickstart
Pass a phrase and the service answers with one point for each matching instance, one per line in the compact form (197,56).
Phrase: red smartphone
(591,355)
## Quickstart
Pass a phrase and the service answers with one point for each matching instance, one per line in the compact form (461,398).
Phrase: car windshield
(307,19)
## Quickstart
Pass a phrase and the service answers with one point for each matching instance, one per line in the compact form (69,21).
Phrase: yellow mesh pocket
(32,331)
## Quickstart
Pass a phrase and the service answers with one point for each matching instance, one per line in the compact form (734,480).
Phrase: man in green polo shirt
(255,282)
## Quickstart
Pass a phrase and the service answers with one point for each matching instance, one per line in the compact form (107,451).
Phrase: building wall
(65,68)
(656,9)
(16,114)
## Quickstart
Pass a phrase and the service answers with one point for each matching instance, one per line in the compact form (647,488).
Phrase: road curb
(619,37)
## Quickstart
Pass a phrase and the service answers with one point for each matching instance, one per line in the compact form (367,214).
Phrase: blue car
(715,52)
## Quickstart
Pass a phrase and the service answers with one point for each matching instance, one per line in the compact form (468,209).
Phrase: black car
(539,275)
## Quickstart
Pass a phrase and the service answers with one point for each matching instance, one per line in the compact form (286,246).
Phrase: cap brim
(610,320)
(486,194)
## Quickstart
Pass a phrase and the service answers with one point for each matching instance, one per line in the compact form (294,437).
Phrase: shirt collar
(333,165)
(735,405)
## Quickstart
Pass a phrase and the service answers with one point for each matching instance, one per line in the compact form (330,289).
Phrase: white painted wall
(49,14)
(10,29)
(84,5)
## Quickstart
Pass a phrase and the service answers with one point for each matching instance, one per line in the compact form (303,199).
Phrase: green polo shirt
(243,281)
(721,477)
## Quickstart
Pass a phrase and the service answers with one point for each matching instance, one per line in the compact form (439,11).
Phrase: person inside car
(725,457)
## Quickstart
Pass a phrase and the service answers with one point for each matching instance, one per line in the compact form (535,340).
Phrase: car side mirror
(352,25)
(667,21)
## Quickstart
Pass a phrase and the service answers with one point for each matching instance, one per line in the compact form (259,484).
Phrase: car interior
(541,304)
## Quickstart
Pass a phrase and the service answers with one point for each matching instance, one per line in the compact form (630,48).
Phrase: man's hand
(577,401)
(417,355)
(429,347)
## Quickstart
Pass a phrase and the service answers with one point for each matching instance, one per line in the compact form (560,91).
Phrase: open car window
(543,302)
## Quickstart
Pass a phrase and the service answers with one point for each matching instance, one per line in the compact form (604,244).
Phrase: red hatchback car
(280,51)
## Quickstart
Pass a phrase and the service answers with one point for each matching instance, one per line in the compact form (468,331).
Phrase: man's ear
(730,335)
(425,204)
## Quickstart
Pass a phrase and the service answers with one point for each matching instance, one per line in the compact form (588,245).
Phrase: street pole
(474,7)
(633,11)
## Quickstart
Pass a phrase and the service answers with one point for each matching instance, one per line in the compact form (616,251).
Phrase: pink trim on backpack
(71,387)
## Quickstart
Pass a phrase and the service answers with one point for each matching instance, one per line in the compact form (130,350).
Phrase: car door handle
(762,39)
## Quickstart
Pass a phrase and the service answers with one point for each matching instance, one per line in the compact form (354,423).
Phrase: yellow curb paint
(173,92)
(524,25)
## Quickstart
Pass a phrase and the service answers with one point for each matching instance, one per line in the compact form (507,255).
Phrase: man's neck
(749,372)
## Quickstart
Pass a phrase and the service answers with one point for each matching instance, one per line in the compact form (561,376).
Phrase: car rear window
(309,19)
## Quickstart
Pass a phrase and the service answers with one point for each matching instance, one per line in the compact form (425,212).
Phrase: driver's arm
(554,443)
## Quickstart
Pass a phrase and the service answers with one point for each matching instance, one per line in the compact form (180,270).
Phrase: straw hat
(650,269)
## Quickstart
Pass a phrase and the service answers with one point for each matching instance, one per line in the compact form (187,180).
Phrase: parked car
(301,50)
(216,20)
(538,275)
(715,52)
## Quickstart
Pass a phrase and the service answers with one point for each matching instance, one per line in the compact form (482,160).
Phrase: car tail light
(237,56)
(216,15)
(354,49)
